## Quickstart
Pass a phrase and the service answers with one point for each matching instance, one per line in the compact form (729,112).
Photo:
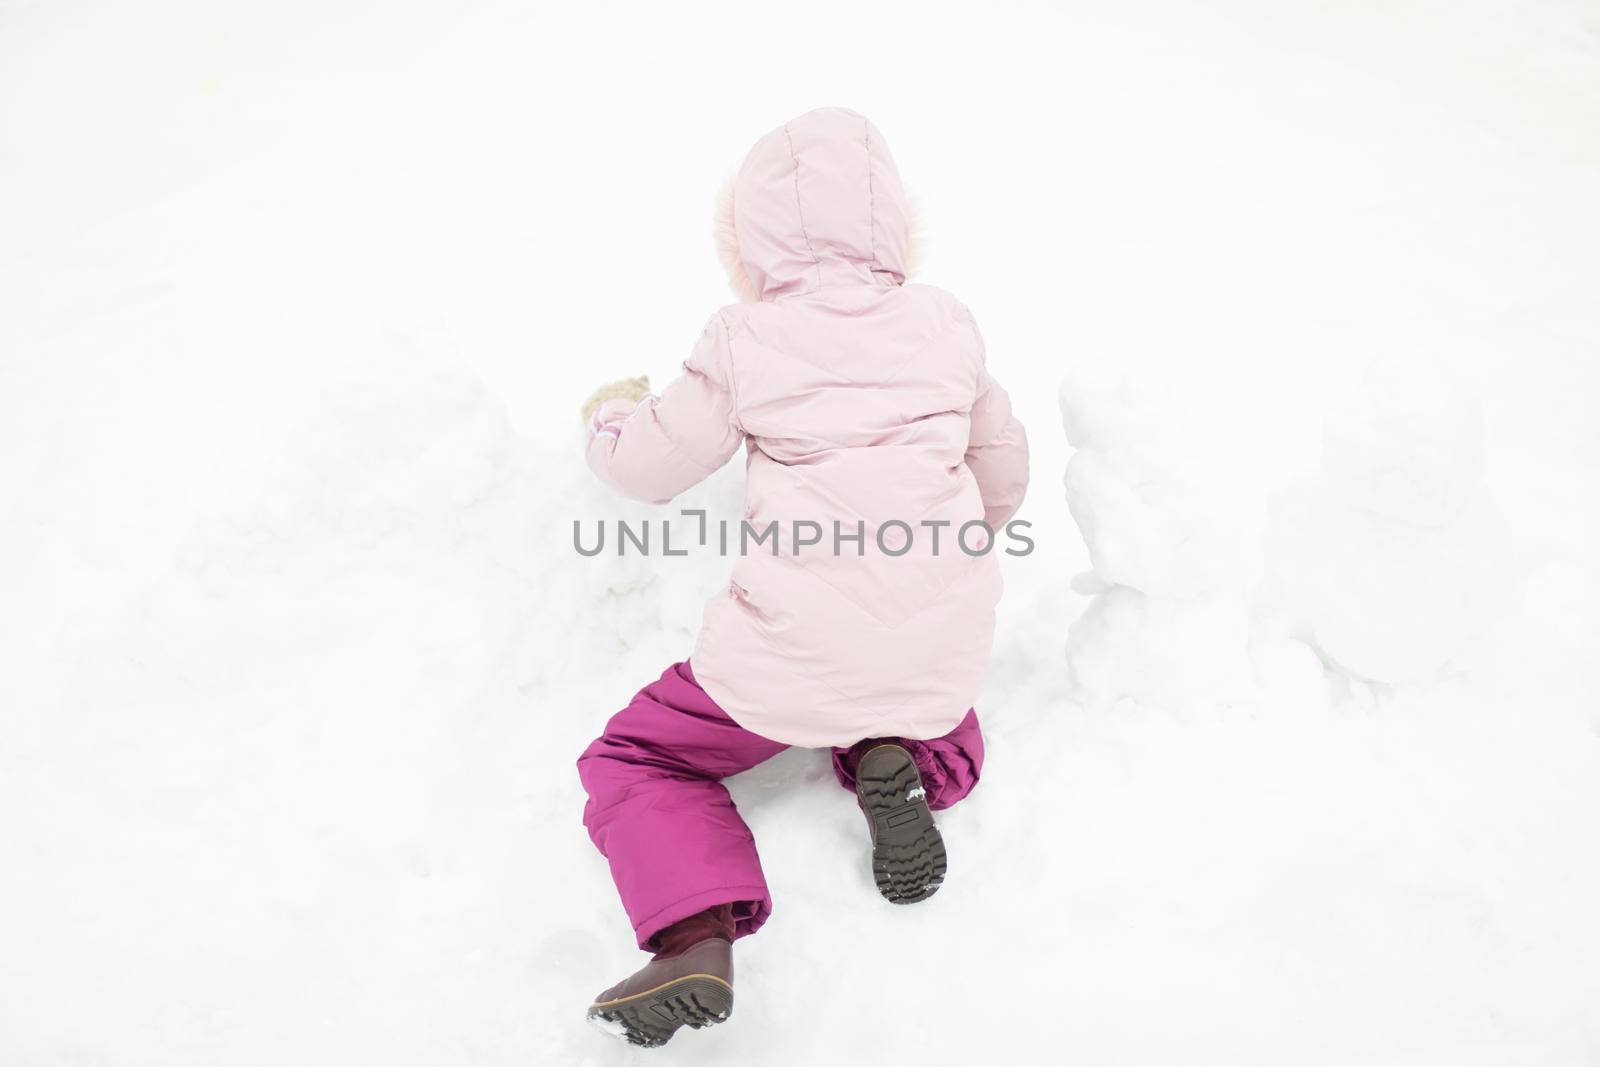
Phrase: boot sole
(908,855)
(649,1019)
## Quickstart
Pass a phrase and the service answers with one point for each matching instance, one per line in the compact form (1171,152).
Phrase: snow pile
(1385,559)
(1318,729)
(1163,493)
(1395,555)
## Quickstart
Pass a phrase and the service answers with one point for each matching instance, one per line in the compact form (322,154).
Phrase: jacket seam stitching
(733,380)
(872,204)
(798,209)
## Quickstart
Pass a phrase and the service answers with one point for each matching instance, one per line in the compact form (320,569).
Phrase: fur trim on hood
(727,239)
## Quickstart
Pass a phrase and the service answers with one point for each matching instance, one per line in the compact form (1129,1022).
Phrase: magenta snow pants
(660,815)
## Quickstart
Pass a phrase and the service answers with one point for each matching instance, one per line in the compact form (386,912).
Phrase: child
(873,435)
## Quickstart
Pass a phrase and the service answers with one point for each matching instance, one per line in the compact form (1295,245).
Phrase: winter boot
(690,981)
(908,857)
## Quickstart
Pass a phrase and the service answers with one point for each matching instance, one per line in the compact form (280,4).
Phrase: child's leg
(949,765)
(659,814)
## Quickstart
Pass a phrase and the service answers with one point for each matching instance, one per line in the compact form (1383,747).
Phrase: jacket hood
(817,202)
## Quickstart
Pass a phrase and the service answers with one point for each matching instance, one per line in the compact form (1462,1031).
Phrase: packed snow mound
(1386,559)
(1394,556)
(1406,442)
(1158,484)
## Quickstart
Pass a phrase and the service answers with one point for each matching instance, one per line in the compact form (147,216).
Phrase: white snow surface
(1294,751)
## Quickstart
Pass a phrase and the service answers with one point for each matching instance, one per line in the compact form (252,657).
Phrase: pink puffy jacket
(862,401)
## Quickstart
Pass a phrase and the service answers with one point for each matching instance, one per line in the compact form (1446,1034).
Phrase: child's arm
(656,448)
(997,453)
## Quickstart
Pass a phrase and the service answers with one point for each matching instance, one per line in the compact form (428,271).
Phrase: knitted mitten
(632,389)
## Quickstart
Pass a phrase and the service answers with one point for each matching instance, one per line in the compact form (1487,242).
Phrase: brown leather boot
(908,856)
(688,982)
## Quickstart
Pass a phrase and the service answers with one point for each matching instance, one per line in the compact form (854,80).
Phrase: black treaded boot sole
(651,1018)
(908,856)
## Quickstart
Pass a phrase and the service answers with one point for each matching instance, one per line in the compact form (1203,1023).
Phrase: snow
(1293,724)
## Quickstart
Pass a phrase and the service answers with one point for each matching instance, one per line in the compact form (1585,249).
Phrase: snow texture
(1294,748)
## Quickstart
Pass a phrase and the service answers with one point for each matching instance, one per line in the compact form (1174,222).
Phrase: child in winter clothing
(866,408)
